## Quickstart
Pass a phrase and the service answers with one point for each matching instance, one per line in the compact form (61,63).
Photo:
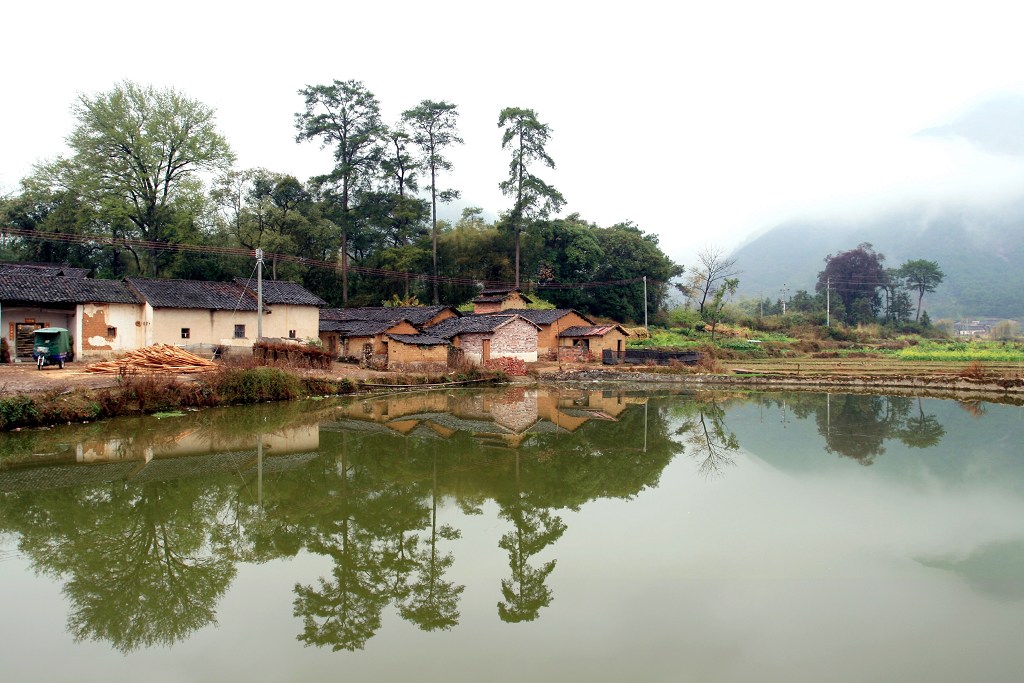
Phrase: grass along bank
(142,394)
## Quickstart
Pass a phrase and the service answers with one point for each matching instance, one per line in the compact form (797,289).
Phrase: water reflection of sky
(791,562)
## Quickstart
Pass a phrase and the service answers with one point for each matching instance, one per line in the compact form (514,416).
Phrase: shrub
(16,411)
(254,385)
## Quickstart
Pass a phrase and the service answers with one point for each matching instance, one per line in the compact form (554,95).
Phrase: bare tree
(713,268)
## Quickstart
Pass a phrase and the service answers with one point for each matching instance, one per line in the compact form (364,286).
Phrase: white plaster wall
(218,327)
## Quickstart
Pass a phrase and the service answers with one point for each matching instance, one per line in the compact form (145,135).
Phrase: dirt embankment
(24,378)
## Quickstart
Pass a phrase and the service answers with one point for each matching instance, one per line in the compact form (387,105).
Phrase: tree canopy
(150,179)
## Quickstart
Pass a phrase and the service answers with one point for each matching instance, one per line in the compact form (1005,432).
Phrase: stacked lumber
(156,358)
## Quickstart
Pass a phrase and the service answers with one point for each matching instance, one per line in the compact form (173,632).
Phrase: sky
(702,122)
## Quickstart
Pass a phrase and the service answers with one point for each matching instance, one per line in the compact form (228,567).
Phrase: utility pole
(645,302)
(828,301)
(785,295)
(259,294)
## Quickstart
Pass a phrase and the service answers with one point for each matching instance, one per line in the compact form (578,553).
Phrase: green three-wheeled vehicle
(51,346)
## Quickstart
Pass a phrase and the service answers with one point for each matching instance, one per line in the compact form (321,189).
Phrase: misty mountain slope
(981,251)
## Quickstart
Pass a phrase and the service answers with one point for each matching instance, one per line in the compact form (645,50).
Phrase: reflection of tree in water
(141,568)
(364,532)
(146,564)
(711,444)
(857,425)
(433,603)
(525,592)
(921,431)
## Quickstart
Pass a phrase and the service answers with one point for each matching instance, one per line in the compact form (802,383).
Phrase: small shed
(361,338)
(586,342)
(417,353)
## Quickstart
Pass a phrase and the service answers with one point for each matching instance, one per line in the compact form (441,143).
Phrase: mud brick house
(499,300)
(417,353)
(194,312)
(365,340)
(100,315)
(586,342)
(483,337)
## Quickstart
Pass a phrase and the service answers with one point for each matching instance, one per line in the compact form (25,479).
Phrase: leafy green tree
(137,156)
(629,253)
(921,276)
(855,277)
(434,127)
(527,139)
(346,116)
(570,252)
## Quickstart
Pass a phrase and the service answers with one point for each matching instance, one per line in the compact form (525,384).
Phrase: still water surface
(520,534)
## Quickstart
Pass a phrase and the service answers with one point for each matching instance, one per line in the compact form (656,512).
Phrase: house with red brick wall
(484,337)
(551,322)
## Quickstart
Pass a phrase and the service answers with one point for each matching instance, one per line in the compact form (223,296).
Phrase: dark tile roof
(194,294)
(491,296)
(44,269)
(363,328)
(588,331)
(470,324)
(538,317)
(33,288)
(282,292)
(417,315)
(419,339)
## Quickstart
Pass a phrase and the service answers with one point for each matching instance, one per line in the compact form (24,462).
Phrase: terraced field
(880,366)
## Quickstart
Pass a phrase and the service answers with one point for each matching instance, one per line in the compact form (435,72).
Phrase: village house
(417,353)
(201,313)
(364,340)
(100,315)
(499,300)
(588,342)
(483,337)
(551,323)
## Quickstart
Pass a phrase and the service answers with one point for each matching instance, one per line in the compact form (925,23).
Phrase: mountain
(979,248)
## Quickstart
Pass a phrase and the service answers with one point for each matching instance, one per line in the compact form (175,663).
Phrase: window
(111,332)
(239,331)
(291,334)
(185,333)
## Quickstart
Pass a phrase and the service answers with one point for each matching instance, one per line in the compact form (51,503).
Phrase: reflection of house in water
(507,418)
(190,453)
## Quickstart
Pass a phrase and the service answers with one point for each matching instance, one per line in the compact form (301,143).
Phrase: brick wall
(517,339)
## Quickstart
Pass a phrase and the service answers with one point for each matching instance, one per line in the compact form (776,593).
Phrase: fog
(702,124)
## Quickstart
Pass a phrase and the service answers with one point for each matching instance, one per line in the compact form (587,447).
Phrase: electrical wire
(67,238)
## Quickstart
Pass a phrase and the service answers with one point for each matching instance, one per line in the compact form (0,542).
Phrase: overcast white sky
(703,122)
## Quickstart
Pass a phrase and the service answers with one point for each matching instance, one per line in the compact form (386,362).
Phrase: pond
(520,534)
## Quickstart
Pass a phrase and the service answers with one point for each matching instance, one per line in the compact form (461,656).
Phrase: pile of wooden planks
(156,358)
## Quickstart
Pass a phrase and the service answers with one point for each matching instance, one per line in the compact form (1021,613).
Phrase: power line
(67,238)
